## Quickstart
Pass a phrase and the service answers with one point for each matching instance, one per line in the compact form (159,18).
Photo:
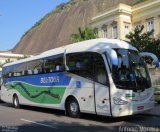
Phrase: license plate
(140,107)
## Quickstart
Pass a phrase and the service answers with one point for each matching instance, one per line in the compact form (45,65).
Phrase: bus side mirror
(150,58)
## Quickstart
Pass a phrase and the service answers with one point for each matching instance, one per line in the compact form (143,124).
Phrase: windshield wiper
(125,87)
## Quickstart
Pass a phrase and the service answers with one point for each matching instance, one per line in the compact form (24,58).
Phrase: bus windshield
(130,71)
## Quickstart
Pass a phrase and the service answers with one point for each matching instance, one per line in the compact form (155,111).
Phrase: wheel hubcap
(73,107)
(15,102)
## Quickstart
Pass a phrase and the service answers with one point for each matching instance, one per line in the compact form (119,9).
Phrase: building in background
(118,21)
(7,56)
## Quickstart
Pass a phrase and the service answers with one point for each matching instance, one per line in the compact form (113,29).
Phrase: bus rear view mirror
(150,59)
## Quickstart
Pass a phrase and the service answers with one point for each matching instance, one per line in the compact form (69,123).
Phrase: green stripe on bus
(44,95)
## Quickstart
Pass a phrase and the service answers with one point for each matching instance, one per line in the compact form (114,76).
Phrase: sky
(18,16)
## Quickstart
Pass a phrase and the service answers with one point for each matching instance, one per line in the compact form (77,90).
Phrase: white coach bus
(100,76)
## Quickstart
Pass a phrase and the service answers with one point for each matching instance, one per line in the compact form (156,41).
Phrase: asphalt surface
(31,119)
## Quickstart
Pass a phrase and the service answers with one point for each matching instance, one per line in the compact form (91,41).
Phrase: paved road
(31,119)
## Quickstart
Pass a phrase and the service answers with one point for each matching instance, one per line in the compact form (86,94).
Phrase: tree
(8,61)
(144,42)
(23,57)
(84,34)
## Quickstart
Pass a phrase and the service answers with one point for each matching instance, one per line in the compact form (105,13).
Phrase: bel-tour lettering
(50,79)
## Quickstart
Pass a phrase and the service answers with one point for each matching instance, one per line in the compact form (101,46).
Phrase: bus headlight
(119,101)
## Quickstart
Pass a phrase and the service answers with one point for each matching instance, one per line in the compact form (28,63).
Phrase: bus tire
(16,102)
(72,108)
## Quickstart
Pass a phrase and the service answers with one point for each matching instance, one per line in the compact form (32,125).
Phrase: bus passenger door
(102,99)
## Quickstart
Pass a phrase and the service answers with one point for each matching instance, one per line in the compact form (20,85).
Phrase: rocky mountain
(55,28)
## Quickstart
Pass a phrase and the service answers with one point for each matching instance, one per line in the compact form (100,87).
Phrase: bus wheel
(16,101)
(72,108)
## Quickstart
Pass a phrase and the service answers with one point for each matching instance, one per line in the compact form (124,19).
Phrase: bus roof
(94,45)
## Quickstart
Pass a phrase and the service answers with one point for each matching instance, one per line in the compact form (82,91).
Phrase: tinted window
(54,64)
(34,67)
(89,65)
(27,68)
(6,71)
(81,64)
(130,72)
(18,69)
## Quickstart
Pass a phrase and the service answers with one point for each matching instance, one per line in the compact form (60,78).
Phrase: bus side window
(53,64)
(18,69)
(34,67)
(7,71)
(80,64)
